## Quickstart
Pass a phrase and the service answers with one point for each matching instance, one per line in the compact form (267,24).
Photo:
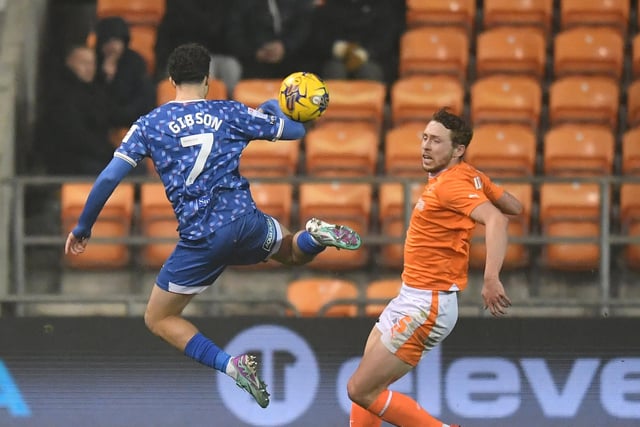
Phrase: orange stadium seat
(311,295)
(505,99)
(402,152)
(517,255)
(382,289)
(391,217)
(631,152)
(584,99)
(613,13)
(441,12)
(253,92)
(143,41)
(338,203)
(416,98)
(149,12)
(165,91)
(578,150)
(633,104)
(588,50)
(341,149)
(635,56)
(355,100)
(523,13)
(630,221)
(434,50)
(114,221)
(570,210)
(274,199)
(502,150)
(511,50)
(263,158)
(157,220)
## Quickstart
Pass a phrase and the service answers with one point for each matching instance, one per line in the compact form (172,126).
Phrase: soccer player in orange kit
(436,260)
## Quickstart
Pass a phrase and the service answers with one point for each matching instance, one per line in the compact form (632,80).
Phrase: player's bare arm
(496,237)
(508,204)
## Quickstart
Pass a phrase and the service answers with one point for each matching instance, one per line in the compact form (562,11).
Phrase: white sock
(231,370)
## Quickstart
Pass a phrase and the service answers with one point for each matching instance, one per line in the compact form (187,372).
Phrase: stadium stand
(311,297)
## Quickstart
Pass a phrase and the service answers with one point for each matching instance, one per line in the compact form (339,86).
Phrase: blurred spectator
(73,131)
(123,72)
(270,36)
(357,39)
(203,22)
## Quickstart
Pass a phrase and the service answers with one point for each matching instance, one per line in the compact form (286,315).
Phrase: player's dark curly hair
(461,131)
(189,63)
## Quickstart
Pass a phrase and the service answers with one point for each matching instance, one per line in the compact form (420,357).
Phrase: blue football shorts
(196,264)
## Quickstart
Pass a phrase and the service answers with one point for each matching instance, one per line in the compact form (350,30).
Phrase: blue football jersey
(195,147)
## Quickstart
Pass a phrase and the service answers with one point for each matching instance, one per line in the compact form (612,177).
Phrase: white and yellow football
(303,96)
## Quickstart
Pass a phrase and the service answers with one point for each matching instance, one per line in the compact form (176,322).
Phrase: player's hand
(74,245)
(271,107)
(494,297)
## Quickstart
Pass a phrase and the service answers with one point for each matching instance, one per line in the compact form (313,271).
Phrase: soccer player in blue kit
(195,146)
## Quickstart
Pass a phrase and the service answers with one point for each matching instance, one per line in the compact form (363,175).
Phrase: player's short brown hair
(461,131)
(189,63)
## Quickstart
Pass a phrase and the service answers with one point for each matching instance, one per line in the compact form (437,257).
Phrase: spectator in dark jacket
(357,38)
(74,128)
(123,72)
(198,21)
(269,36)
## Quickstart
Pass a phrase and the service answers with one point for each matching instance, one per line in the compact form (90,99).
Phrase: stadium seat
(517,255)
(502,150)
(263,158)
(633,104)
(630,221)
(157,221)
(253,92)
(114,221)
(635,56)
(506,99)
(460,13)
(338,203)
(578,150)
(382,289)
(391,219)
(165,91)
(584,99)
(631,152)
(143,41)
(523,13)
(402,155)
(311,295)
(434,50)
(341,149)
(570,210)
(588,51)
(416,98)
(148,12)
(355,100)
(511,50)
(275,199)
(612,13)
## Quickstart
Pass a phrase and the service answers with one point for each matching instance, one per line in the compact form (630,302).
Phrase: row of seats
(462,13)
(332,297)
(565,210)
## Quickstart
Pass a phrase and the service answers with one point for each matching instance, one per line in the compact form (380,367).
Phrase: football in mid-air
(303,96)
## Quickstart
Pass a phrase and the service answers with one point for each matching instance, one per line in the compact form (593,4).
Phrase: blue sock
(203,350)
(308,244)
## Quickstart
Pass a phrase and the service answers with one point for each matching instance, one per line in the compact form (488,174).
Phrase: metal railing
(20,240)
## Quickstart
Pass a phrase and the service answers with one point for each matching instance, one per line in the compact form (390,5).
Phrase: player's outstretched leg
(339,236)
(247,378)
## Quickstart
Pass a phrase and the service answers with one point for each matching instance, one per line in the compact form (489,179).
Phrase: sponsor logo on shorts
(271,236)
